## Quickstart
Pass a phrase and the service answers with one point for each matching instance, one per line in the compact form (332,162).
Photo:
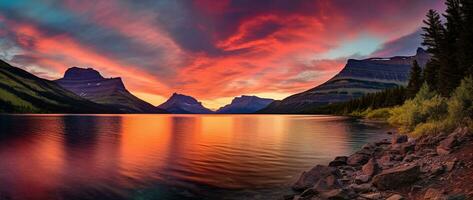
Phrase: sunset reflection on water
(165,156)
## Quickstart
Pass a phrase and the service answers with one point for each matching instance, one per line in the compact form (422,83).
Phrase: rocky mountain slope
(245,104)
(22,92)
(89,84)
(357,78)
(436,166)
(183,104)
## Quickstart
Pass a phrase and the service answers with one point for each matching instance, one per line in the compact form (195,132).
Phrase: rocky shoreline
(430,167)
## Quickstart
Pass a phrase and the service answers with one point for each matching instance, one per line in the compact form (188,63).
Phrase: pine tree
(434,33)
(430,74)
(465,58)
(415,80)
(433,37)
(449,74)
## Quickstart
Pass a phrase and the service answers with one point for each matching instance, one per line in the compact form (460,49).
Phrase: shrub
(460,104)
(431,127)
(381,113)
(427,106)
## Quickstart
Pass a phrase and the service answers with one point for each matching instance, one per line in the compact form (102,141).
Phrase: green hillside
(22,92)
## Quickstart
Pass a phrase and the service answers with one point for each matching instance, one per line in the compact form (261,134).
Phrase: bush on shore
(429,113)
(374,114)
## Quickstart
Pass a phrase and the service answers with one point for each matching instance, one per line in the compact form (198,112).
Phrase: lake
(169,156)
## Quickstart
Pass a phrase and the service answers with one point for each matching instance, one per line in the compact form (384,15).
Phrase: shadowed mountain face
(183,104)
(357,78)
(89,84)
(22,92)
(245,104)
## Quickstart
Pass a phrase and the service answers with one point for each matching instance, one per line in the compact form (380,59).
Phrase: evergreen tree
(465,58)
(430,74)
(415,80)
(433,36)
(449,74)
(434,33)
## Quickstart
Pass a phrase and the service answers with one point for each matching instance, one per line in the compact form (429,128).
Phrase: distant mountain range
(183,104)
(245,104)
(89,84)
(22,92)
(357,78)
(87,91)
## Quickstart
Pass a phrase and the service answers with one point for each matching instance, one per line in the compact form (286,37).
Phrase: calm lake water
(168,156)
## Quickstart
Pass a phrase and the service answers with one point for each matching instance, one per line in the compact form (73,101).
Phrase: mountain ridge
(23,92)
(184,104)
(245,104)
(90,84)
(357,78)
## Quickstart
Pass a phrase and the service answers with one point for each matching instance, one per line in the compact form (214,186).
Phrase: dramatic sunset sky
(210,49)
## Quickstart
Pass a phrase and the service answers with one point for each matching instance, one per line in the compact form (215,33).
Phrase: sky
(212,50)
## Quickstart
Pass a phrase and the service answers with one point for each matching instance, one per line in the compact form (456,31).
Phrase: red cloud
(60,52)
(226,48)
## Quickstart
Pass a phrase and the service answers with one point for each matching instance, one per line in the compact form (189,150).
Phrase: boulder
(397,177)
(362,179)
(374,196)
(328,183)
(368,152)
(410,158)
(462,134)
(437,169)
(398,157)
(369,146)
(429,141)
(450,165)
(362,188)
(395,197)
(398,139)
(387,161)
(382,142)
(307,194)
(338,161)
(310,178)
(370,168)
(446,146)
(358,159)
(408,147)
(434,194)
(337,194)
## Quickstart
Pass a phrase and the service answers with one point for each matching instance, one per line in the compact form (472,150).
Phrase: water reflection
(167,156)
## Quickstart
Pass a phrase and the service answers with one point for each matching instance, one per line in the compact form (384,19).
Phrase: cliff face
(183,104)
(89,84)
(357,78)
(245,104)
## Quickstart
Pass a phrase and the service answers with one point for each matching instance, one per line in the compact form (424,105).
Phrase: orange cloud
(61,52)
(210,50)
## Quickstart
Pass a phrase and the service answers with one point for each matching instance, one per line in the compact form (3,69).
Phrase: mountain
(357,78)
(22,92)
(89,84)
(183,104)
(245,104)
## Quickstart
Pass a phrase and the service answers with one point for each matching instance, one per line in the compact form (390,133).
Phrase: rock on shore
(430,167)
